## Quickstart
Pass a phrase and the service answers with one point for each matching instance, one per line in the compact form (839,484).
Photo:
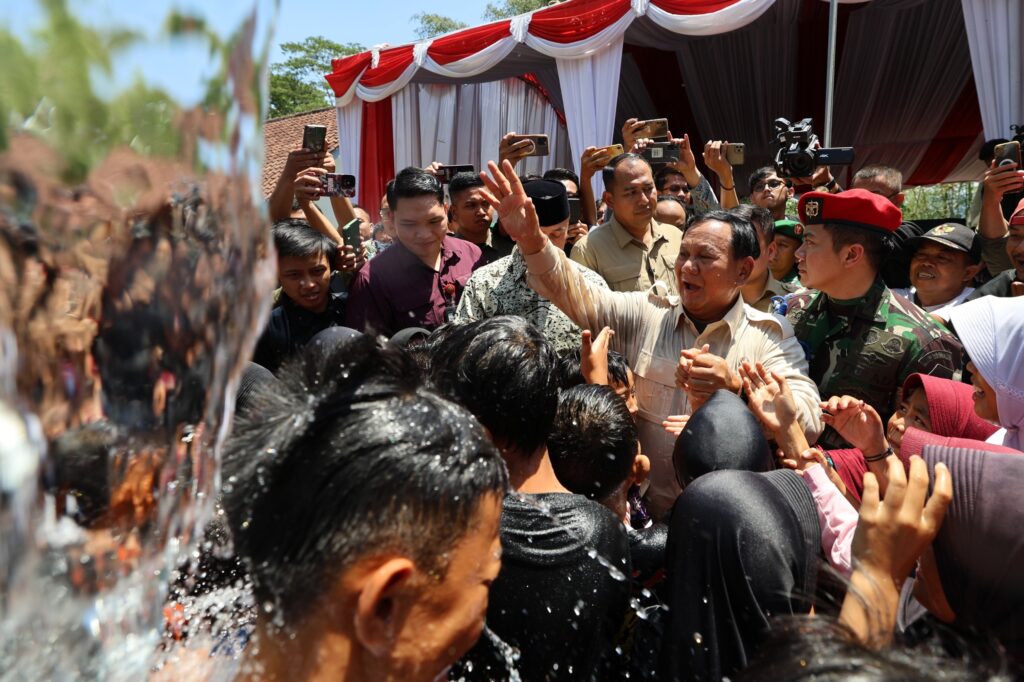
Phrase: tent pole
(830,82)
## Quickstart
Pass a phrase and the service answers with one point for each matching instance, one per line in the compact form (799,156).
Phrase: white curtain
(590,90)
(995,33)
(463,124)
(350,133)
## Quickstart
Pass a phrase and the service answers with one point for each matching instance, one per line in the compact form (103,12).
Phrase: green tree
(297,84)
(430,25)
(510,8)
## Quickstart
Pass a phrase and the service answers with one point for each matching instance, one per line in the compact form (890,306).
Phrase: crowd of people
(684,436)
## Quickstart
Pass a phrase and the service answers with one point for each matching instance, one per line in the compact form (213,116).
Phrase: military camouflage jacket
(868,347)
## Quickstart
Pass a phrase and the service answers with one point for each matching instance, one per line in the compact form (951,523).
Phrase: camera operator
(768,190)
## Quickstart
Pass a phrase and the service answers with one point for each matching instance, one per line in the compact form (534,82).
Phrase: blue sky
(181,66)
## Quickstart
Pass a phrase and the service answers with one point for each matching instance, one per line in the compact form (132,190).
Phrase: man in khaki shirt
(761,287)
(662,339)
(632,250)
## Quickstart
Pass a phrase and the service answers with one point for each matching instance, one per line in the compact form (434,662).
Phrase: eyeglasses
(769,184)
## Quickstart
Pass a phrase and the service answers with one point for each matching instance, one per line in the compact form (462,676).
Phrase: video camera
(799,152)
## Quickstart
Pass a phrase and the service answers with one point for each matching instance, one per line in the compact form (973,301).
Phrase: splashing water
(134,278)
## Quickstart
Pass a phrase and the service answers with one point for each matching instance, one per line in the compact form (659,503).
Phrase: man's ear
(771,249)
(970,272)
(381,604)
(898,199)
(746,266)
(606,197)
(790,191)
(854,254)
(641,468)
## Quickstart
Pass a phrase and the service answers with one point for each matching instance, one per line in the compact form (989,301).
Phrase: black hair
(504,371)
(608,172)
(414,182)
(762,173)
(877,246)
(671,197)
(761,218)
(559,174)
(297,238)
(570,374)
(350,455)
(526,177)
(463,181)
(988,150)
(661,177)
(744,239)
(593,440)
(79,464)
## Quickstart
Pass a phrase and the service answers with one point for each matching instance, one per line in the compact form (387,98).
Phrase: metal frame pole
(830,82)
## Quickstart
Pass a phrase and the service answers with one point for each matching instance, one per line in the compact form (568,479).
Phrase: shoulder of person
(768,321)
(799,301)
(589,275)
(670,232)
(602,526)
(463,247)
(997,286)
(493,270)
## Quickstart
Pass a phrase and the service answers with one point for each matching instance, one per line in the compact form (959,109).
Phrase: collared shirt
(397,290)
(495,247)
(868,346)
(625,262)
(501,289)
(772,288)
(791,282)
(650,335)
(941,309)
(290,327)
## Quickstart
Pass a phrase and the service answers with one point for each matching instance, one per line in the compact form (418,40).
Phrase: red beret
(854,207)
(1017,217)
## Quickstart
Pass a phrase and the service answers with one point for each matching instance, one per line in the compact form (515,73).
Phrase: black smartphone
(734,153)
(337,185)
(446,173)
(540,144)
(314,138)
(575,210)
(1007,153)
(661,152)
(350,234)
(655,129)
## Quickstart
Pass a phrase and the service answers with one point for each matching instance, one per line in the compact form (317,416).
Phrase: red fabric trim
(392,63)
(452,48)
(345,71)
(953,140)
(377,159)
(576,20)
(692,7)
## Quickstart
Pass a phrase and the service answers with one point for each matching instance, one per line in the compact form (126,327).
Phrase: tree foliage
(297,83)
(510,8)
(431,25)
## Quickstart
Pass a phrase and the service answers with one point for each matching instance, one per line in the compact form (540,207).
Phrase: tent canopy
(919,83)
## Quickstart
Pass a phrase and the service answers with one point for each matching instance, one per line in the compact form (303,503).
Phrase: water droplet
(698,638)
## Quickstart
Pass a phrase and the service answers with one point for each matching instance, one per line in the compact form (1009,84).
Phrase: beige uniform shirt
(650,335)
(772,288)
(625,262)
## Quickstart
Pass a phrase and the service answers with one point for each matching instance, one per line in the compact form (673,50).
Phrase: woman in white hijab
(992,331)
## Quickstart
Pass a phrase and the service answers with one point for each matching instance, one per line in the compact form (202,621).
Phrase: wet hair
(462,182)
(414,182)
(78,464)
(571,374)
(593,440)
(661,178)
(298,239)
(348,456)
(762,173)
(890,177)
(608,172)
(760,218)
(744,240)
(559,174)
(987,152)
(504,371)
(877,246)
(822,648)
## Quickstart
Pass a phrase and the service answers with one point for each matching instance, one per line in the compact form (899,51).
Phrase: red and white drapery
(585,40)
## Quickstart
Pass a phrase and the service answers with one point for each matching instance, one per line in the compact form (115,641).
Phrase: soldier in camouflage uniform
(860,338)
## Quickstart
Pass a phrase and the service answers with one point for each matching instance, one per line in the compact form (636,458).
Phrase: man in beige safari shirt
(698,339)
(633,250)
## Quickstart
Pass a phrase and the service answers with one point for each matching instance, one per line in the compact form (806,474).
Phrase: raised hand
(432,168)
(857,422)
(308,186)
(769,397)
(513,152)
(705,373)
(1000,180)
(629,130)
(716,161)
(518,217)
(594,356)
(591,163)
(675,423)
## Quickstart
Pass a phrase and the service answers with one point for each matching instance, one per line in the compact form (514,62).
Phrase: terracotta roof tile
(281,135)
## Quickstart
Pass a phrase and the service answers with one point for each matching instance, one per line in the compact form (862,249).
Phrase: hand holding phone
(444,174)
(539,146)
(314,138)
(654,129)
(1007,153)
(350,234)
(338,185)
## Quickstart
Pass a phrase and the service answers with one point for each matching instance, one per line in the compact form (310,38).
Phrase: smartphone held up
(338,185)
